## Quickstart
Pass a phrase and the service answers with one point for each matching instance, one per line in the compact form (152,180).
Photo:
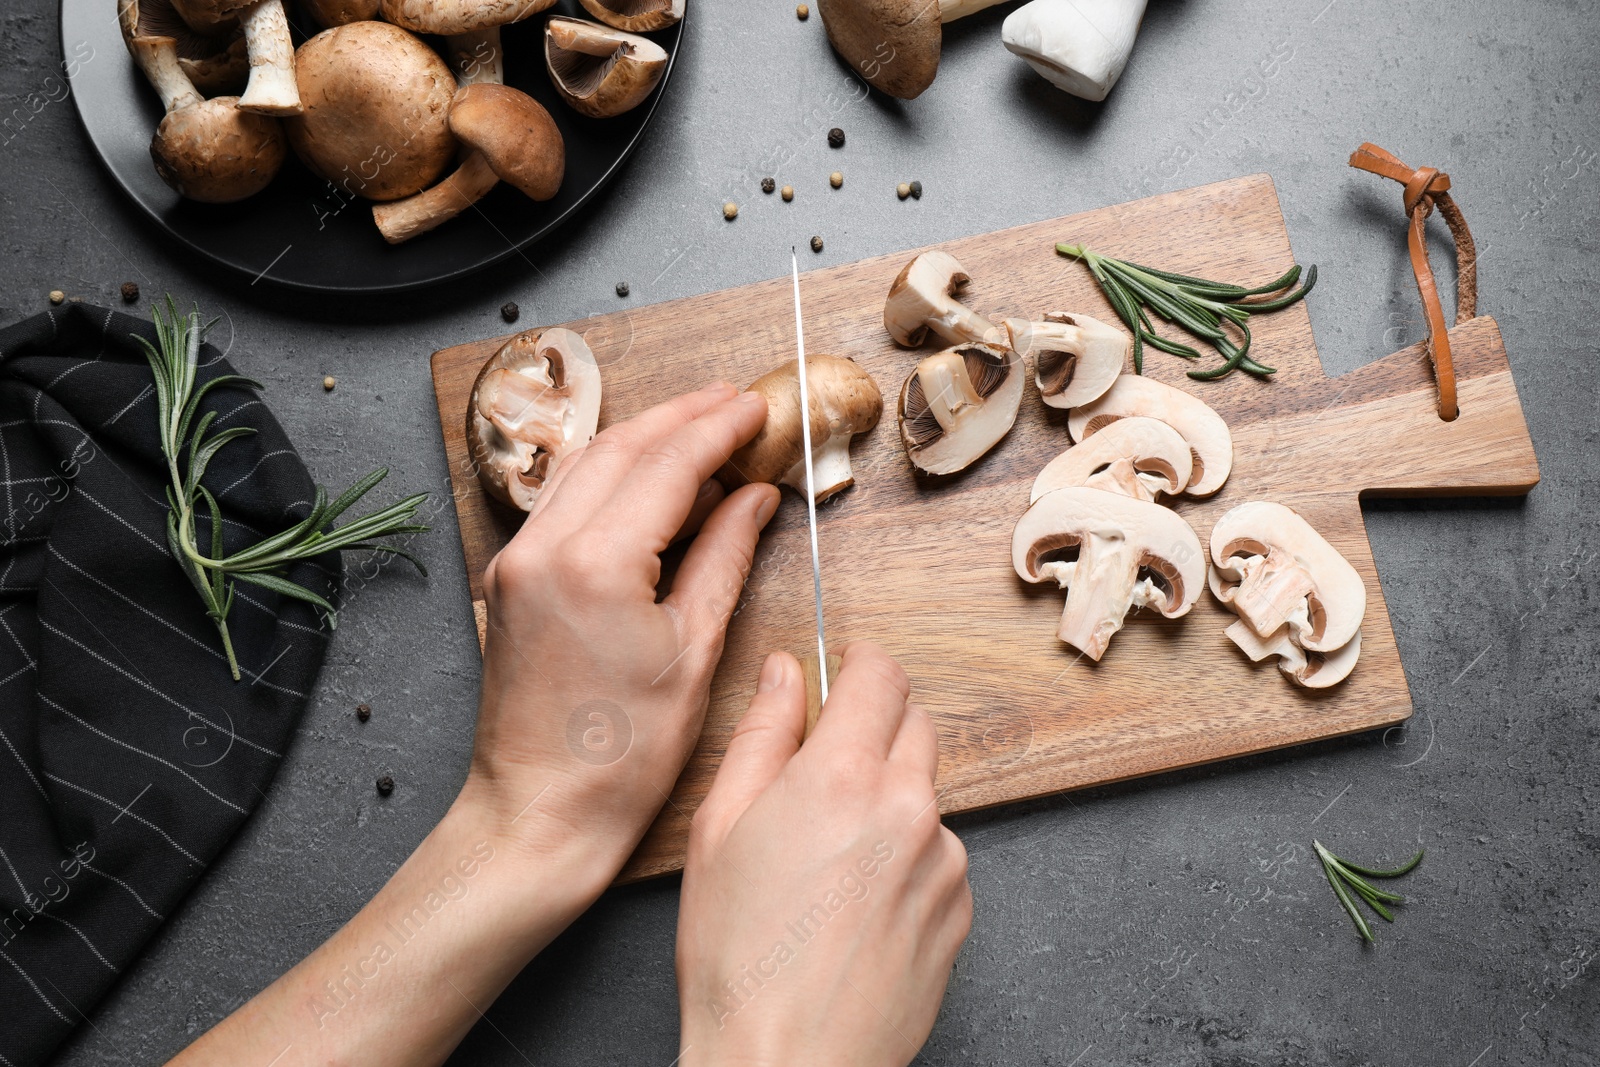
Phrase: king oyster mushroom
(1075,358)
(271,89)
(1112,553)
(845,401)
(923,298)
(958,404)
(1139,457)
(535,400)
(600,71)
(1133,394)
(1077,45)
(638,16)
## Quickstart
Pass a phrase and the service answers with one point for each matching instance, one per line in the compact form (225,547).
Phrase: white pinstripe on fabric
(31,985)
(123,808)
(131,891)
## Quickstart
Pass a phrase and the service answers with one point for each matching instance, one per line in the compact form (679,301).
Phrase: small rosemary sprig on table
(1346,879)
(1200,306)
(175,360)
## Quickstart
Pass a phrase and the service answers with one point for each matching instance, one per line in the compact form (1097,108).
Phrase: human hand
(593,692)
(823,900)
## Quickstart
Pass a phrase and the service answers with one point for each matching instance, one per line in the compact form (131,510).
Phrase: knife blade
(811,494)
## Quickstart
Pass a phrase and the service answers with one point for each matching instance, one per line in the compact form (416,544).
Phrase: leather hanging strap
(1426,187)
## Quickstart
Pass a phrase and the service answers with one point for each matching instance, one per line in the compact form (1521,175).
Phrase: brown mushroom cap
(534,401)
(599,71)
(957,404)
(893,44)
(209,16)
(215,61)
(515,133)
(329,13)
(450,17)
(636,16)
(377,104)
(214,153)
(844,401)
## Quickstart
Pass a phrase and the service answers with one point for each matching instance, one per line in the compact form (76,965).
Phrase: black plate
(299,232)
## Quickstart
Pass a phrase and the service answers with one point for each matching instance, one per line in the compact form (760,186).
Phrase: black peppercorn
(836,138)
(363,712)
(509,311)
(130,292)
(916,190)
(816,244)
(622,288)
(768,184)
(385,786)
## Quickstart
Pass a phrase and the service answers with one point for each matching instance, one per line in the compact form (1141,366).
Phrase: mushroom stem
(272,89)
(1274,592)
(830,467)
(1100,593)
(950,10)
(401,220)
(158,58)
(947,387)
(476,56)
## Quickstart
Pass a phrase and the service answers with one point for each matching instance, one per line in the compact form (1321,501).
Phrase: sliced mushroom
(1273,570)
(1133,394)
(1312,670)
(958,404)
(1077,45)
(1138,457)
(512,138)
(893,44)
(271,89)
(600,71)
(330,13)
(377,110)
(535,400)
(638,16)
(1111,553)
(923,298)
(450,17)
(845,401)
(1075,358)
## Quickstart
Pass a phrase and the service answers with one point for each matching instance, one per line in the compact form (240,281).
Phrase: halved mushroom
(958,404)
(1075,358)
(1138,457)
(1273,570)
(1133,394)
(638,16)
(377,110)
(512,138)
(893,44)
(1311,670)
(330,13)
(923,298)
(600,71)
(271,89)
(450,17)
(535,400)
(845,401)
(1111,553)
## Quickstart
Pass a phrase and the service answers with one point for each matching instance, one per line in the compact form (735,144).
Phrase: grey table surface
(1175,920)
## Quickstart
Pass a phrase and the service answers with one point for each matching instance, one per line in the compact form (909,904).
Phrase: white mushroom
(1111,553)
(1310,670)
(1075,358)
(1138,457)
(923,298)
(599,71)
(1077,45)
(958,404)
(1133,394)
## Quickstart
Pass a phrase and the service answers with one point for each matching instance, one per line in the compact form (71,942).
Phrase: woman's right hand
(823,900)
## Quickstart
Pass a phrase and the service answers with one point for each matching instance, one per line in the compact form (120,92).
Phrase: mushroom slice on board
(1310,670)
(1133,394)
(1273,570)
(271,89)
(377,111)
(923,298)
(1139,457)
(600,71)
(535,400)
(1111,553)
(845,401)
(512,139)
(958,404)
(1075,358)
(1077,45)
(637,16)
(893,44)
(451,17)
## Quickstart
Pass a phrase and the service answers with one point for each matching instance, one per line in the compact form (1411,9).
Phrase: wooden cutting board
(925,569)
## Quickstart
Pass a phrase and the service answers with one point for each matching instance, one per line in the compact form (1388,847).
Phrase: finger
(866,703)
(654,498)
(712,574)
(548,493)
(765,740)
(916,743)
(614,451)
(711,494)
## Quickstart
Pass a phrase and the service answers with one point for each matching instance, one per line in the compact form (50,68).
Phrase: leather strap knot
(1426,188)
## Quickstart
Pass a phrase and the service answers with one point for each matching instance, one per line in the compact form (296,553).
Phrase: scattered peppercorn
(363,712)
(385,786)
(802,12)
(130,292)
(57,296)
(730,211)
(816,244)
(768,185)
(622,288)
(328,383)
(509,311)
(836,138)
(836,179)
(787,192)
(902,190)
(916,190)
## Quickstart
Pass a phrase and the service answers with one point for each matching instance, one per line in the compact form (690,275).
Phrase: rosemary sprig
(1347,882)
(175,360)
(1204,308)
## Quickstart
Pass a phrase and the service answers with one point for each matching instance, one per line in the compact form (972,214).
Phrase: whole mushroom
(923,297)
(1133,394)
(1139,457)
(893,44)
(1076,359)
(957,404)
(1081,46)
(600,71)
(271,89)
(330,13)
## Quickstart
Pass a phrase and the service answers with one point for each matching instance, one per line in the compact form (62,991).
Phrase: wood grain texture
(923,568)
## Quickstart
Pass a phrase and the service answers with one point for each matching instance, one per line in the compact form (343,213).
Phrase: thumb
(763,743)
